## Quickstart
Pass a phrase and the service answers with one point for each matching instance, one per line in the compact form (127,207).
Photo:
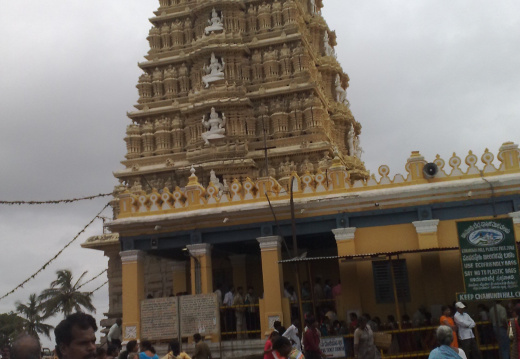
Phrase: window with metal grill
(383,281)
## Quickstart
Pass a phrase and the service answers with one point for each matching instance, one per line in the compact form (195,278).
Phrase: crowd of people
(455,335)
(76,339)
(503,329)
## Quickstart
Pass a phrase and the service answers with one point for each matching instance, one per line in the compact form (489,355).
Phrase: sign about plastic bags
(333,347)
(489,260)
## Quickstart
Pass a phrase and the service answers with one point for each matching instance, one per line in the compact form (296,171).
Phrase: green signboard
(489,260)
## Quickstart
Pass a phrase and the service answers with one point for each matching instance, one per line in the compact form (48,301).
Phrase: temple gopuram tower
(225,82)
(238,100)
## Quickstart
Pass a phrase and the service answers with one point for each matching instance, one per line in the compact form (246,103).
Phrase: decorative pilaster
(349,299)
(238,263)
(201,255)
(271,307)
(427,233)
(431,264)
(415,165)
(179,277)
(133,292)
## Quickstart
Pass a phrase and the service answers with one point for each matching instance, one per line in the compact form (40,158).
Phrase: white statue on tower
(215,126)
(329,51)
(215,23)
(358,150)
(350,139)
(341,94)
(214,72)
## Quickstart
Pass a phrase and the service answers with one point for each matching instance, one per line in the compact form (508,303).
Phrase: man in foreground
(444,351)
(75,337)
(26,347)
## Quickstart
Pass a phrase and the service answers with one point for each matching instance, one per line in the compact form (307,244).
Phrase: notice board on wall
(489,260)
(159,318)
(199,314)
(162,318)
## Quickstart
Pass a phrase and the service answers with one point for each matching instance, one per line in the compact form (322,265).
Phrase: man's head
(197,337)
(444,335)
(112,350)
(26,347)
(460,307)
(283,346)
(240,290)
(75,337)
(277,325)
(119,321)
(175,348)
(250,290)
(132,347)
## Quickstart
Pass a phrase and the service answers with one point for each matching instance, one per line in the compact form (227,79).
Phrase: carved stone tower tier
(225,82)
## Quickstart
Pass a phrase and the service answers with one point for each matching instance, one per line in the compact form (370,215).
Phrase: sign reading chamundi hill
(159,318)
(199,314)
(489,260)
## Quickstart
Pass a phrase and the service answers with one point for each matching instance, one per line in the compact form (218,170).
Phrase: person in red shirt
(268,348)
(311,340)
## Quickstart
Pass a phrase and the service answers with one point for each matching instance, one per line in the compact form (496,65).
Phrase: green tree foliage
(33,317)
(64,295)
(11,325)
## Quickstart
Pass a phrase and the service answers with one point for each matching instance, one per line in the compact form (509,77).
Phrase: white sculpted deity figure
(350,138)
(214,72)
(215,23)
(216,182)
(329,51)
(341,94)
(215,126)
(358,150)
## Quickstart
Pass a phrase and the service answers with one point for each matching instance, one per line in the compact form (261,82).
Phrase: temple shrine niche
(215,23)
(214,126)
(214,71)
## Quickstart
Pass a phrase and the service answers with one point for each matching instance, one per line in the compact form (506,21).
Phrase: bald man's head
(26,347)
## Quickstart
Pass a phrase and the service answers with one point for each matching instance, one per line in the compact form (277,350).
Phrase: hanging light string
(90,280)
(56,201)
(55,256)
(95,290)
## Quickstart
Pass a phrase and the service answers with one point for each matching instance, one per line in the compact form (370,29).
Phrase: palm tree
(65,297)
(33,321)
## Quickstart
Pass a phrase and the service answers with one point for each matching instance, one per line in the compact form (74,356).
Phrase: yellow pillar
(434,290)
(238,263)
(350,299)
(132,292)
(271,308)
(179,277)
(201,268)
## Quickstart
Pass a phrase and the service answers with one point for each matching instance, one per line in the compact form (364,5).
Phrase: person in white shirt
(114,334)
(292,334)
(230,312)
(465,324)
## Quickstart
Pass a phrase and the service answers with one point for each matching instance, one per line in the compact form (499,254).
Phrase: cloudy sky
(438,76)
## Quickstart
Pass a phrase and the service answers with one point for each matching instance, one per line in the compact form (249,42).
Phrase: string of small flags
(55,256)
(98,287)
(10,203)
(90,280)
